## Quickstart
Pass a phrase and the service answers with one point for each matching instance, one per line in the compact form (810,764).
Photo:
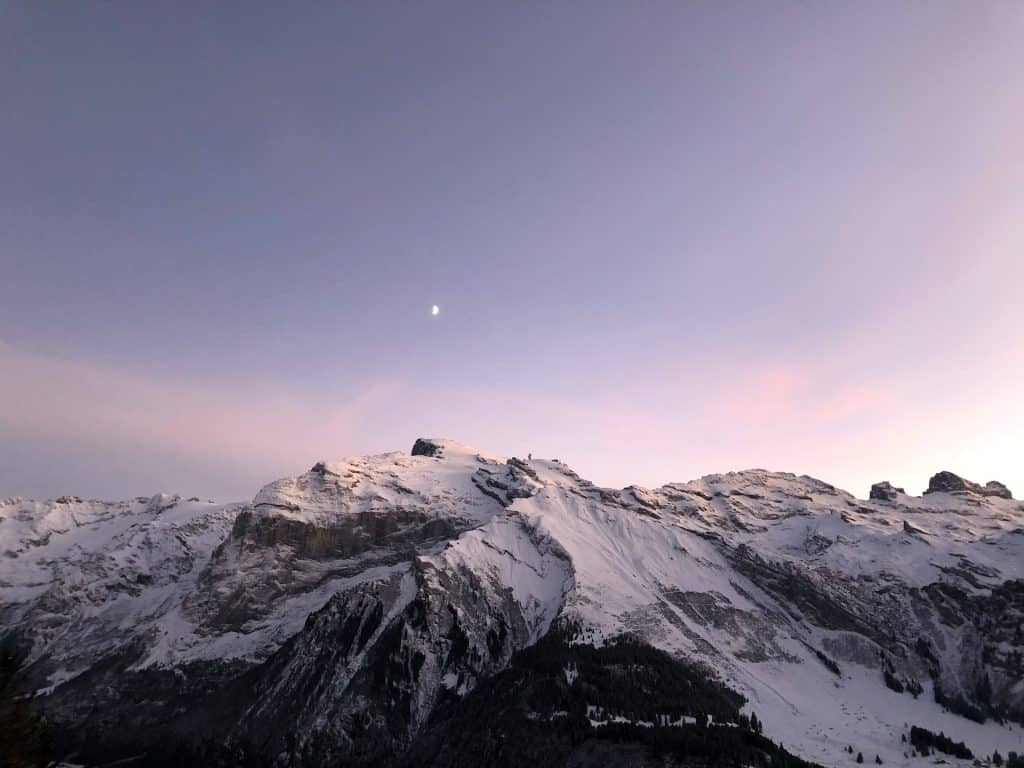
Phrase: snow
(508,552)
(42,541)
(179,639)
(85,577)
(819,722)
(599,717)
(571,673)
(629,549)
(436,486)
(450,680)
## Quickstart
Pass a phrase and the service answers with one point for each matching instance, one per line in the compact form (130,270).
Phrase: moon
(435,310)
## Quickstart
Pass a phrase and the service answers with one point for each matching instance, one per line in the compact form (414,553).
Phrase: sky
(667,239)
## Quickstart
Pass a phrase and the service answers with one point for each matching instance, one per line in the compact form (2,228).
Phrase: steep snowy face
(917,541)
(80,579)
(392,579)
(373,664)
(304,538)
(776,581)
(329,617)
(435,587)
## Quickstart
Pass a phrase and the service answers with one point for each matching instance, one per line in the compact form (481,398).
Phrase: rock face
(343,614)
(885,491)
(995,488)
(424,447)
(947,482)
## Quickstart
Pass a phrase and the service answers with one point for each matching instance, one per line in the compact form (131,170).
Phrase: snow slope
(662,564)
(374,587)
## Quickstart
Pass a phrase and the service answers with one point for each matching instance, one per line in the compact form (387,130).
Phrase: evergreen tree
(755,724)
(23,739)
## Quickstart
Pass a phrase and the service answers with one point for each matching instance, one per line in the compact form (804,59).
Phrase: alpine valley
(449,607)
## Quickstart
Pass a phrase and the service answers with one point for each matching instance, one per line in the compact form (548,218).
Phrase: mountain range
(451,607)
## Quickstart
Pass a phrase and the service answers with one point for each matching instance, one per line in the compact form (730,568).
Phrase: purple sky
(667,239)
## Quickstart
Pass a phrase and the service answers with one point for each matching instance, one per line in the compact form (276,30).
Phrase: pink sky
(823,417)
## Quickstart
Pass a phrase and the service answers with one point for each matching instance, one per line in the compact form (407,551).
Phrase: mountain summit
(432,607)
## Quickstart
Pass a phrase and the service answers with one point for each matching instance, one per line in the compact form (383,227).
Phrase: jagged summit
(948,482)
(374,589)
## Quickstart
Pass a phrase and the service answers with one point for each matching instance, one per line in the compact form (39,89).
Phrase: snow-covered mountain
(342,615)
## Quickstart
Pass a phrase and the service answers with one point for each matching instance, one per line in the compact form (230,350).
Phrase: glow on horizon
(176,429)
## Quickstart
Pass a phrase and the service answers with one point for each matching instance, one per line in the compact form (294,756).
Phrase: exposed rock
(948,482)
(320,468)
(995,488)
(885,491)
(424,447)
